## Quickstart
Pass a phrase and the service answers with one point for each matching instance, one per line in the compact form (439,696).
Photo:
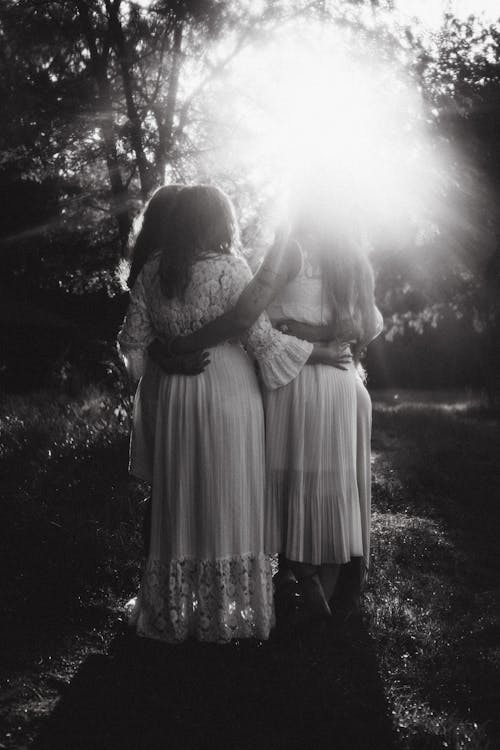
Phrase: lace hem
(213,600)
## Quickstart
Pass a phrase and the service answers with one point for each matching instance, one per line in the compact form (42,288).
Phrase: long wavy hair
(203,224)
(349,282)
(346,273)
(151,230)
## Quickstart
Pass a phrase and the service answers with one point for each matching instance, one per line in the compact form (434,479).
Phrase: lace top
(215,285)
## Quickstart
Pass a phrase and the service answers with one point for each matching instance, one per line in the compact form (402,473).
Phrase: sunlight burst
(432,12)
(315,109)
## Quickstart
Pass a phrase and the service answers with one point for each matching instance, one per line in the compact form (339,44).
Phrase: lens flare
(315,107)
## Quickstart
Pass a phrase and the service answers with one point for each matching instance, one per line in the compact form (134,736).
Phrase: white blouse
(304,299)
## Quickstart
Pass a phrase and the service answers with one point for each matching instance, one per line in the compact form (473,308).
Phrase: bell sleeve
(280,357)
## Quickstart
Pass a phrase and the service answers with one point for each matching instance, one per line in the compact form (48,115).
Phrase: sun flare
(310,108)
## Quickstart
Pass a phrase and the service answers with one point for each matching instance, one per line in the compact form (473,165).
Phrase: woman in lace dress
(318,427)
(150,227)
(207,573)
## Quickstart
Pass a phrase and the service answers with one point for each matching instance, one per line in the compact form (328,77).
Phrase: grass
(421,670)
(69,542)
(433,602)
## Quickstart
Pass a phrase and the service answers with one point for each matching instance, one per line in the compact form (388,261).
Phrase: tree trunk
(166,124)
(126,67)
(98,66)
(119,193)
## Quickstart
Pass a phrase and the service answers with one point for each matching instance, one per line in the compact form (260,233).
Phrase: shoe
(315,597)
(284,579)
(286,598)
(346,600)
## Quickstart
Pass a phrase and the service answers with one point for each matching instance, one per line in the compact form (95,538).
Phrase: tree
(458,71)
(105,99)
(100,79)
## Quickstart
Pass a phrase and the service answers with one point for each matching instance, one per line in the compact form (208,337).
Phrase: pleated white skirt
(313,509)
(364,465)
(200,439)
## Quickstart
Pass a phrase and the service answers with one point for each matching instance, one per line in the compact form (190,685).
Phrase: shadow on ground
(316,691)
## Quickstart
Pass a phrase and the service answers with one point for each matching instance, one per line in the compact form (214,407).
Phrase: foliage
(105,99)
(96,90)
(420,671)
(455,269)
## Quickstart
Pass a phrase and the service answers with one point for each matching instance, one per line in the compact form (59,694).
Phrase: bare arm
(307,331)
(332,354)
(318,333)
(274,273)
(178,364)
(338,353)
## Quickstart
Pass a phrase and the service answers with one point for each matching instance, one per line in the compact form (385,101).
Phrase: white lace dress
(200,440)
(318,431)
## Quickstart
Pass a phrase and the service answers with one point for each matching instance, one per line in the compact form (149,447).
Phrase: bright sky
(306,108)
(431,12)
(301,109)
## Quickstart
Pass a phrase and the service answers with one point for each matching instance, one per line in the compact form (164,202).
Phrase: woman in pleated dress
(318,427)
(207,573)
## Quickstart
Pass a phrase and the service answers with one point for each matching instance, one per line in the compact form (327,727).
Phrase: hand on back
(192,363)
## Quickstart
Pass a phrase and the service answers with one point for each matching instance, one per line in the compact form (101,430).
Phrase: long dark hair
(203,223)
(152,229)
